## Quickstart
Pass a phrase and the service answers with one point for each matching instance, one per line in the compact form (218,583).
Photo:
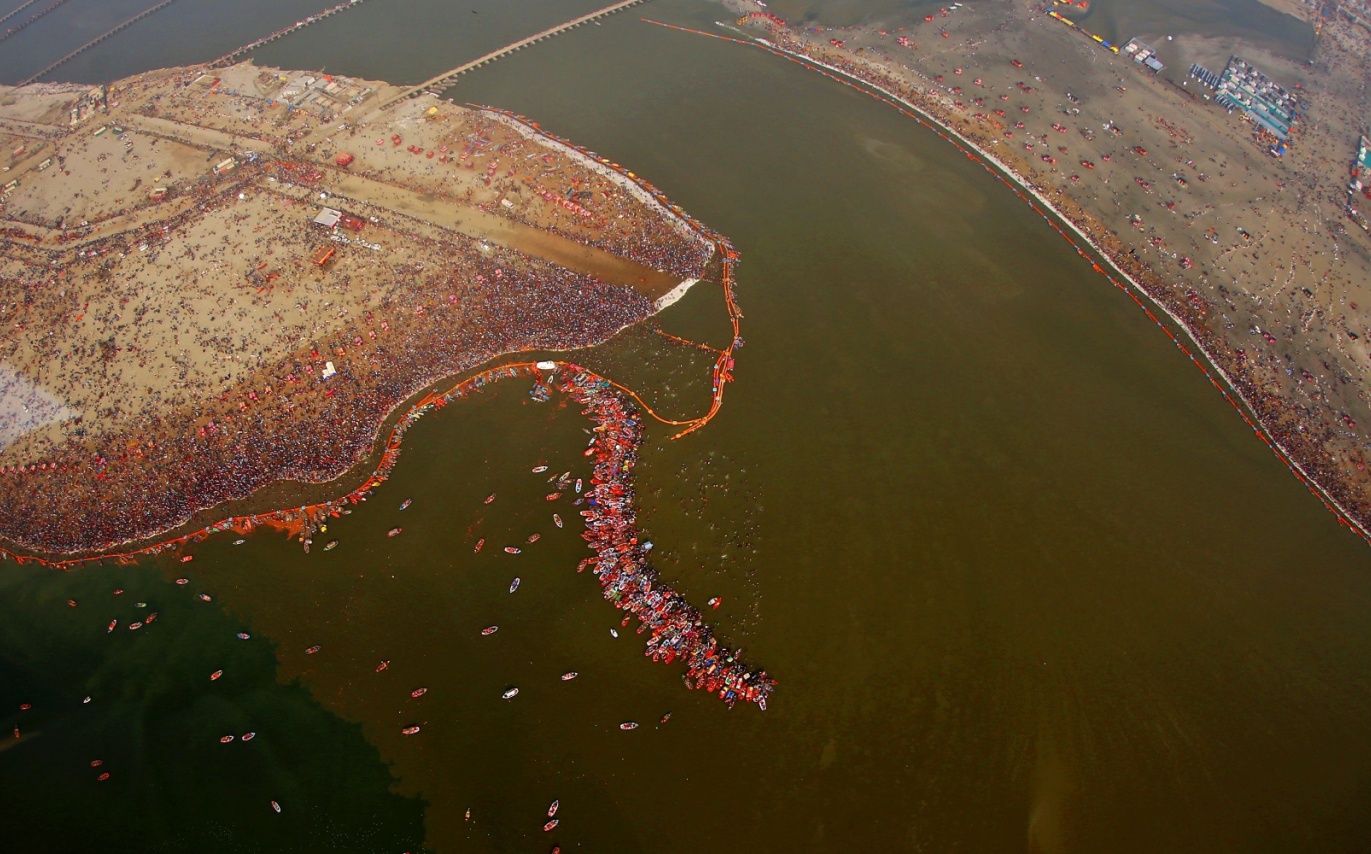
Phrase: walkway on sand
(447,78)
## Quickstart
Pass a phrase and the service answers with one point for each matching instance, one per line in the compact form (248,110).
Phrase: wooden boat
(187,558)
(205,597)
(406,503)
(539,469)
(103,777)
(510,694)
(332,544)
(489,630)
(243,636)
(410,730)
(239,542)
(514,585)
(556,520)
(215,675)
(394,532)
(226,739)
(183,581)
(312,650)
(569,675)
(533,538)
(552,810)
(578,486)
(552,496)
(133,627)
(666,717)
(627,725)
(551,824)
(512,550)
(479,543)
(490,498)
(418,692)
(111,626)
(275,806)
(249,736)
(383,665)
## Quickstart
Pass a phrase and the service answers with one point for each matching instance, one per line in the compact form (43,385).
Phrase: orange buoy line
(1228,389)
(688,343)
(301,521)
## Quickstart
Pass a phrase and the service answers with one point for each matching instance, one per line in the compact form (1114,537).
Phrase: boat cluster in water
(678,629)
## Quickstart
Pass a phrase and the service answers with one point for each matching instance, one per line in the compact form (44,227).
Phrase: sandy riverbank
(1095,138)
(184,327)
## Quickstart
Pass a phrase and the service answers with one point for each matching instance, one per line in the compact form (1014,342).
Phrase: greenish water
(1026,580)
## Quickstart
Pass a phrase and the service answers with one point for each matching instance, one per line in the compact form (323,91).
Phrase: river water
(1026,581)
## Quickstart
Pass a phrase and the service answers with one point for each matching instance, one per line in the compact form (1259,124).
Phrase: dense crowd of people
(678,629)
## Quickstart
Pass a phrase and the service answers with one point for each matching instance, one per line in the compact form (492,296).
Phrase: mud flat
(219,279)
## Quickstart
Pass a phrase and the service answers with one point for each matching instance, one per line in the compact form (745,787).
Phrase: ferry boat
(509,694)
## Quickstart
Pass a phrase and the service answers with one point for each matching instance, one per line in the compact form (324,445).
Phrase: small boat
(614,632)
(510,694)
(383,665)
(406,503)
(552,496)
(468,815)
(312,650)
(578,486)
(183,581)
(479,543)
(96,763)
(249,736)
(187,558)
(103,777)
(331,545)
(394,532)
(490,498)
(512,550)
(666,717)
(205,597)
(533,538)
(418,692)
(578,502)
(150,617)
(556,520)
(111,626)
(118,591)
(225,739)
(551,824)
(239,542)
(133,627)
(514,585)
(215,675)
(552,810)
(275,806)
(627,725)
(569,675)
(410,730)
(243,636)
(489,630)
(539,469)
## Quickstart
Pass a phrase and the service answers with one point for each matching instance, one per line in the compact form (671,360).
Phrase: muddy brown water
(1026,580)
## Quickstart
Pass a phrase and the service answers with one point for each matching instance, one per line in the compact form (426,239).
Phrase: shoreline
(1248,411)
